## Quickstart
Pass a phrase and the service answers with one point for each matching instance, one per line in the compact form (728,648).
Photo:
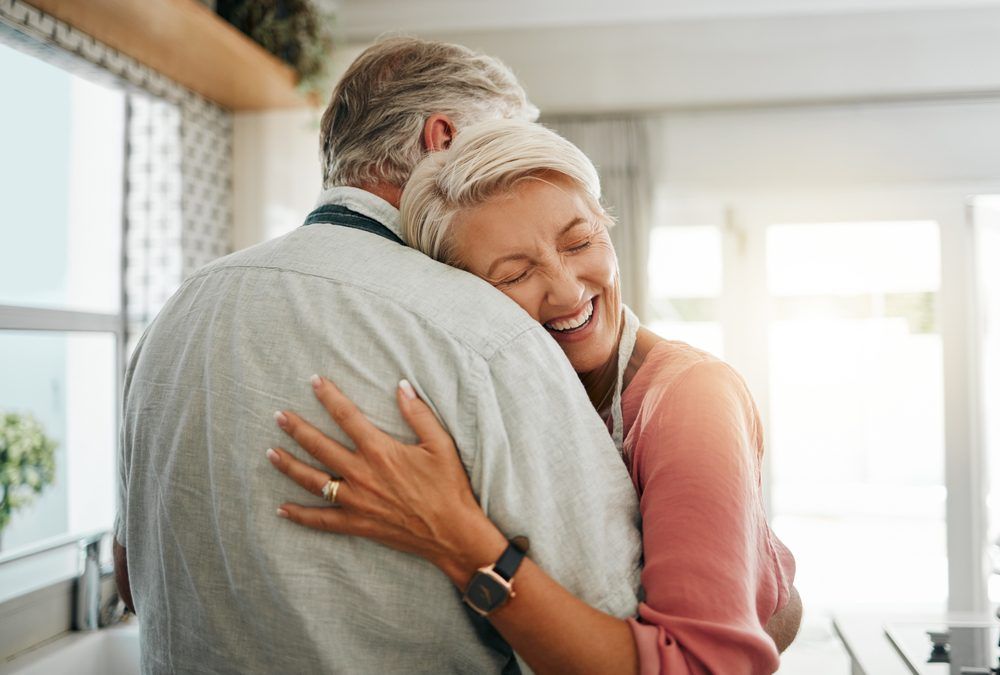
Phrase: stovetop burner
(956,648)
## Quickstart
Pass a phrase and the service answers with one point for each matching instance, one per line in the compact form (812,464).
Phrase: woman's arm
(382,497)
(702,592)
(714,574)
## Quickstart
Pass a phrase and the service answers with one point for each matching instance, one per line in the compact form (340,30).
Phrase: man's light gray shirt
(223,585)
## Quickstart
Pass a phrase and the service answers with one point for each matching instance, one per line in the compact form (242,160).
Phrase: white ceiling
(597,56)
(360,20)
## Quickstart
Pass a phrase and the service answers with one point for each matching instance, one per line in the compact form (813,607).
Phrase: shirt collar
(365,203)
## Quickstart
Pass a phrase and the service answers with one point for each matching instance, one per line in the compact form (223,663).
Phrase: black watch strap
(508,562)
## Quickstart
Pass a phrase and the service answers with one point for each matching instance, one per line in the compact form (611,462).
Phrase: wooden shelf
(188,43)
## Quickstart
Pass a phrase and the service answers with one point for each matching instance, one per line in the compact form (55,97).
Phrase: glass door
(856,407)
(853,365)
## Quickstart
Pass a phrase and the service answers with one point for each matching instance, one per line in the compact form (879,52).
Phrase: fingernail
(316,381)
(407,389)
(273,456)
(280,418)
(282,513)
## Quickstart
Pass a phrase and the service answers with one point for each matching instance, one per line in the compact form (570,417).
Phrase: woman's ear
(439,131)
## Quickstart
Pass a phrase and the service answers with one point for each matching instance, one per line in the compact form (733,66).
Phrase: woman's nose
(565,289)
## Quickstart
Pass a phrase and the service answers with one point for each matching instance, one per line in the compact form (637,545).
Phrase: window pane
(856,410)
(685,261)
(851,258)
(60,186)
(685,281)
(67,383)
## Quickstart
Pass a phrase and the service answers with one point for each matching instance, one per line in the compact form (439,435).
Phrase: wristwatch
(492,586)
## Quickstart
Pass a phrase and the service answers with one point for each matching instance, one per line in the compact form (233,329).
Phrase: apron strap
(629,332)
(335,214)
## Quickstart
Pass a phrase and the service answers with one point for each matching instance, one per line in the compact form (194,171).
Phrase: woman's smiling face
(545,247)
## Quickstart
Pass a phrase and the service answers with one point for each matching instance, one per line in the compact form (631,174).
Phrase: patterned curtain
(178,199)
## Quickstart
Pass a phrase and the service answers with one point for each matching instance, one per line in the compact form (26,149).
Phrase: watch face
(486,592)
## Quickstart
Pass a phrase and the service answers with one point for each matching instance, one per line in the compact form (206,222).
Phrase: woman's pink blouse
(714,573)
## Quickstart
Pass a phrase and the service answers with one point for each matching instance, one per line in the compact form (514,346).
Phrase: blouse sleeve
(714,573)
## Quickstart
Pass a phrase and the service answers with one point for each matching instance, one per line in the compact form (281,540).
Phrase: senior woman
(519,206)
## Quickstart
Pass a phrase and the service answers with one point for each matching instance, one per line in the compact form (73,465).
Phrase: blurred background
(809,189)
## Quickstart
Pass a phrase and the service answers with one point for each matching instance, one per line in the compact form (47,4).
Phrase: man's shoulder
(339,267)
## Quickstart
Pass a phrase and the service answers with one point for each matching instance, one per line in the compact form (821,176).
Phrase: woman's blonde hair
(485,161)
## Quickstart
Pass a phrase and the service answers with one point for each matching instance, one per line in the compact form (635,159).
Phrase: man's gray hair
(372,129)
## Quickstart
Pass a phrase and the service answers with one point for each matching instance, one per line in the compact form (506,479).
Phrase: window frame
(45,319)
(36,319)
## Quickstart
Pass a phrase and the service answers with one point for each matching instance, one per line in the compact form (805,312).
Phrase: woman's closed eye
(513,279)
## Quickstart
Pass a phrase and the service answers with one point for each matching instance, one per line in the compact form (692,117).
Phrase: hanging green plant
(27,463)
(293,30)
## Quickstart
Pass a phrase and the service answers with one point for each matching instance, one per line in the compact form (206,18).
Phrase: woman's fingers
(309,477)
(421,418)
(347,415)
(318,518)
(328,451)
(334,520)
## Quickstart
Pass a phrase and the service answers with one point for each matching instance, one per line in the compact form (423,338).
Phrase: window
(61,182)
(685,282)
(849,312)
(856,409)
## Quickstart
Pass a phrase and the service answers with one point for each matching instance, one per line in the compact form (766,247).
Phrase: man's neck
(390,193)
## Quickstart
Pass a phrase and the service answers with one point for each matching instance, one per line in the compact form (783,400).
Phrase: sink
(109,651)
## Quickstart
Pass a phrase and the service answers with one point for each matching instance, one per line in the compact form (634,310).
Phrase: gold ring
(330,490)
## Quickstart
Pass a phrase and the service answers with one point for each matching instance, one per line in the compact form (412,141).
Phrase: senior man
(218,582)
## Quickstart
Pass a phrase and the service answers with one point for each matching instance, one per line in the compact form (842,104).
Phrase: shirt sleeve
(121,501)
(121,464)
(714,573)
(123,456)
(543,465)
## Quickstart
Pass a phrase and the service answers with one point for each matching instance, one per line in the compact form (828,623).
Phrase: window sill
(36,591)
(34,617)
(26,575)
(29,568)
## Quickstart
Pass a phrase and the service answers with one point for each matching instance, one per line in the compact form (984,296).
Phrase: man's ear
(439,131)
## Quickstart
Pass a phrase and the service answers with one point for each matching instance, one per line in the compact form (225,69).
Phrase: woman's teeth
(573,322)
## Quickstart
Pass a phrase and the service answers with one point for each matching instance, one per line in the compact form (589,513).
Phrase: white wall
(828,146)
(814,99)
(276,166)
(276,173)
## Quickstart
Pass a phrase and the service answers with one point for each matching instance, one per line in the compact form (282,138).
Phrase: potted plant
(296,31)
(27,463)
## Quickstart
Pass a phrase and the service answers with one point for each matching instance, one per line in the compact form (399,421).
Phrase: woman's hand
(417,498)
(413,498)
